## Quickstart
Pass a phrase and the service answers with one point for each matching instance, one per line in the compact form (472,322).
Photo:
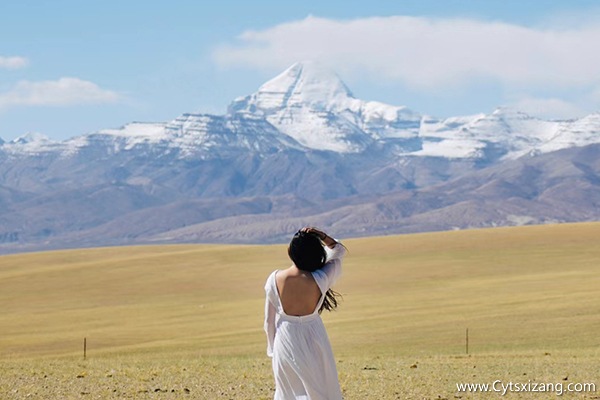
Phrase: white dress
(303,363)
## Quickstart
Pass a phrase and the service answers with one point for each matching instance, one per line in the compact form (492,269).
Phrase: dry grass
(193,376)
(163,319)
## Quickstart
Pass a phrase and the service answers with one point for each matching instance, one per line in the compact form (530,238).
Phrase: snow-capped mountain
(302,149)
(308,107)
(313,106)
(30,143)
(506,132)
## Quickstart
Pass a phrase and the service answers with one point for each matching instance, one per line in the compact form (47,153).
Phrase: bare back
(298,291)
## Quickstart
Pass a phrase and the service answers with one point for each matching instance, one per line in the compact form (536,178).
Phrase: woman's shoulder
(271,280)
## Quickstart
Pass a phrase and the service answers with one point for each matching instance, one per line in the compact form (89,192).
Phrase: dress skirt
(303,363)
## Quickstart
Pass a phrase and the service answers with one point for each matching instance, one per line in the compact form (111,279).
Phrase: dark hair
(308,254)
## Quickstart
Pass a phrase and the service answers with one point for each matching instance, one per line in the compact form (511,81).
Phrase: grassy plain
(171,322)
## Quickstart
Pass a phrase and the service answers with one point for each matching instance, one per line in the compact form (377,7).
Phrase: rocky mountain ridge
(302,149)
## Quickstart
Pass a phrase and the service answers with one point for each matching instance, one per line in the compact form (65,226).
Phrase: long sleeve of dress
(331,271)
(270,314)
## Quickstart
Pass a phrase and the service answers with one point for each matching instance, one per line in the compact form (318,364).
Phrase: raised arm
(332,269)
(325,238)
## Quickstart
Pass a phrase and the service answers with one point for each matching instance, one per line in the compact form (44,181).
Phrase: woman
(303,363)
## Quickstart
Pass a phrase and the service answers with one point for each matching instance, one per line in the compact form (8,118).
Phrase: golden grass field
(185,321)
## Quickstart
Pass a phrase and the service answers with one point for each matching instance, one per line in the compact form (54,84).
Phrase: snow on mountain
(203,134)
(116,140)
(513,131)
(448,138)
(188,136)
(576,133)
(300,145)
(30,143)
(308,107)
(301,102)
(138,132)
(31,137)
(506,132)
(383,121)
(312,105)
(302,84)
(520,134)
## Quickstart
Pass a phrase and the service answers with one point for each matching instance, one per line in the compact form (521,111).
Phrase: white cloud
(62,92)
(428,52)
(13,62)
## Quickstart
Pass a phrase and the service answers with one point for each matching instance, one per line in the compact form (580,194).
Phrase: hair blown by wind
(308,254)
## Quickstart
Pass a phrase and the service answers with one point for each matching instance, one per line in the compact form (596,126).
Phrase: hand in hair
(326,239)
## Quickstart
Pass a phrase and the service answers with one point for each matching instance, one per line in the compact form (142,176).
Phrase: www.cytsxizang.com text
(503,388)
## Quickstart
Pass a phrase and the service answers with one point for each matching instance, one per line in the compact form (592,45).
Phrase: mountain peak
(31,137)
(306,83)
(510,112)
(309,82)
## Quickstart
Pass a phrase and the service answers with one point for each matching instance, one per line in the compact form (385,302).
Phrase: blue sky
(72,67)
